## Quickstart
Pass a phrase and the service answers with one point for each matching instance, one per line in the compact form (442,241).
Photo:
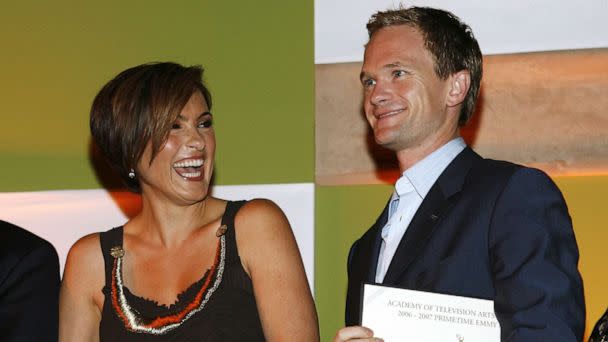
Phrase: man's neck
(410,156)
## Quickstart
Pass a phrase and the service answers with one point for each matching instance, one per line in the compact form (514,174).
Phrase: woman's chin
(193,195)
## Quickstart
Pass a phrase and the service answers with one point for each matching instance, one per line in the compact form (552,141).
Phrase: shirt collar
(425,173)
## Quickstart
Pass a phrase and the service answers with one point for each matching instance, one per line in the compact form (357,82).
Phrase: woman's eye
(176,126)
(205,124)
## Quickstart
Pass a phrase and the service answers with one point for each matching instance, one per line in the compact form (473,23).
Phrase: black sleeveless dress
(219,307)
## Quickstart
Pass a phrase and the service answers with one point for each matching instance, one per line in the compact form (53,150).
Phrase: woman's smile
(190,169)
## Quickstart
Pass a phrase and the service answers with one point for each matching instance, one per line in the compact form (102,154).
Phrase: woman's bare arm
(270,255)
(81,299)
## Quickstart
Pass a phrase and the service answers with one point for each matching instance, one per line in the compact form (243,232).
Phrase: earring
(132,174)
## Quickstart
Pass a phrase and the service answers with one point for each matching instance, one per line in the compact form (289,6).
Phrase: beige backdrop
(547,110)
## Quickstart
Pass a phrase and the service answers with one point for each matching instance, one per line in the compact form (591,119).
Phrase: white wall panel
(500,26)
(62,217)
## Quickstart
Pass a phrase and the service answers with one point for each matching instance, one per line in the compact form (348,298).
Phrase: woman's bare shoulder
(85,261)
(86,247)
(258,211)
(263,232)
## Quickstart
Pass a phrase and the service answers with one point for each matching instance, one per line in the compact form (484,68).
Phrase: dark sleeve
(350,256)
(29,297)
(351,314)
(539,291)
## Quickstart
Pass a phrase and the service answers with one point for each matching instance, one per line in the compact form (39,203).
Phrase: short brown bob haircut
(139,106)
(447,38)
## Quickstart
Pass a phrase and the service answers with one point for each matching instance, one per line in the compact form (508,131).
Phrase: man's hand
(356,334)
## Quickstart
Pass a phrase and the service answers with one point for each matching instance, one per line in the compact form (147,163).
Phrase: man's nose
(380,94)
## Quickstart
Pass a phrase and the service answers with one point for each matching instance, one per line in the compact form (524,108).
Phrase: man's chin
(387,142)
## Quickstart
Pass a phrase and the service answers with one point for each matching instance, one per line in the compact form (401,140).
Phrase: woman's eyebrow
(181,117)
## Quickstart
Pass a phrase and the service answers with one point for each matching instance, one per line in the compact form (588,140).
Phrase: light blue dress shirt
(410,189)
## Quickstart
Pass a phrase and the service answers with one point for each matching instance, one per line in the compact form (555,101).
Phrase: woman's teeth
(189,163)
(189,168)
(190,174)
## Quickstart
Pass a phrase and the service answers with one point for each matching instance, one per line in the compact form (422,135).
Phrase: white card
(396,314)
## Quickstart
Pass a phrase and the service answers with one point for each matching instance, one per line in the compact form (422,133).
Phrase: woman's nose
(195,140)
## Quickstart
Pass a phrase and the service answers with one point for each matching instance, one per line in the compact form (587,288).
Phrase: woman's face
(181,171)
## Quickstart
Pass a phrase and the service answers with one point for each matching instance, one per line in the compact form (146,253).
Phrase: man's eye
(399,73)
(368,82)
(205,124)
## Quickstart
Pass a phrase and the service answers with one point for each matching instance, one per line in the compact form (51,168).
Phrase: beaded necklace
(163,324)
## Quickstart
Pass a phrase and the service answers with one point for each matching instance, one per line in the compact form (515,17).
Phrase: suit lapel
(441,197)
(362,261)
(373,243)
(417,234)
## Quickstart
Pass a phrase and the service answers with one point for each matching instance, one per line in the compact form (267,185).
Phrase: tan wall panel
(548,110)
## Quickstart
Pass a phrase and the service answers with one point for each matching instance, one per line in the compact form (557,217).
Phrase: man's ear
(458,87)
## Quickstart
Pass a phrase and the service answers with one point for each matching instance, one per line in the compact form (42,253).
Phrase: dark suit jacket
(492,230)
(29,286)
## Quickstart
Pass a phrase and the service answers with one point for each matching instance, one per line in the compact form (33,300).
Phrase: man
(457,223)
(29,286)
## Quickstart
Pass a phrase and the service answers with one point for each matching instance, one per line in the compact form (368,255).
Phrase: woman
(188,267)
(600,331)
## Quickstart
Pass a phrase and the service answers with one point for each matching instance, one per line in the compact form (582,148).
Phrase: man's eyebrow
(363,75)
(392,65)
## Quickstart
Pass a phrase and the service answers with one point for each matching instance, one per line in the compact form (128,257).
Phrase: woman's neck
(167,223)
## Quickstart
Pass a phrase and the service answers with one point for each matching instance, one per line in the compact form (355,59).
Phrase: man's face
(404,99)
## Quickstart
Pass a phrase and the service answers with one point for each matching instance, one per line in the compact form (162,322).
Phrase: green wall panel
(29,171)
(343,213)
(56,56)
